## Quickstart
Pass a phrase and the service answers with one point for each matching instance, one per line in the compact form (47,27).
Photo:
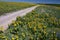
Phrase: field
(43,23)
(6,7)
(57,5)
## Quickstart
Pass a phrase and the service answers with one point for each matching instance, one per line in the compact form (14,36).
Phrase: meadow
(6,7)
(57,5)
(43,23)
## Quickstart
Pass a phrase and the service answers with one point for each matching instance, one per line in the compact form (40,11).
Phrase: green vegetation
(6,7)
(40,24)
(57,5)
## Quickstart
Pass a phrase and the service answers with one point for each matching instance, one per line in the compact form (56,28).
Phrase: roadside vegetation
(6,7)
(40,24)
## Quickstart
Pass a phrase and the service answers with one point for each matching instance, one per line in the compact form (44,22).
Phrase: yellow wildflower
(31,37)
(3,36)
(13,38)
(23,34)
(17,39)
(54,32)
(30,16)
(1,28)
(44,32)
(34,28)
(29,25)
(15,24)
(40,26)
(16,36)
(56,39)
(44,26)
(20,22)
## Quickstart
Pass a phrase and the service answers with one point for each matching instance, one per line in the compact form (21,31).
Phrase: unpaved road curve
(7,19)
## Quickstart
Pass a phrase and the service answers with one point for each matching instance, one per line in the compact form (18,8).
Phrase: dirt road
(7,19)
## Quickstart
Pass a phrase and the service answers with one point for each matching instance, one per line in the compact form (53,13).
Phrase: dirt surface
(7,19)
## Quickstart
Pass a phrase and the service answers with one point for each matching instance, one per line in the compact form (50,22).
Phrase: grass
(43,23)
(6,7)
(57,5)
